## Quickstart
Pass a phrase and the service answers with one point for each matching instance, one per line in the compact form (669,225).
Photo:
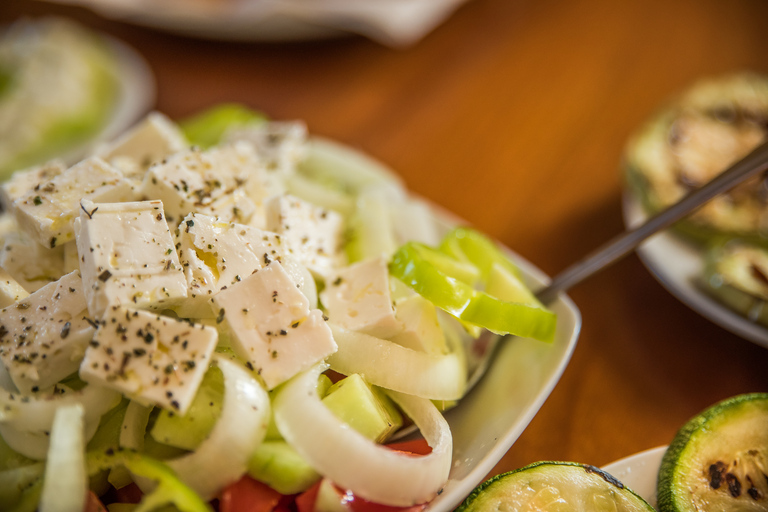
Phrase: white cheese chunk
(151,358)
(147,143)
(215,255)
(311,234)
(47,214)
(127,256)
(213,182)
(421,328)
(280,144)
(10,290)
(44,336)
(271,325)
(21,182)
(358,298)
(29,263)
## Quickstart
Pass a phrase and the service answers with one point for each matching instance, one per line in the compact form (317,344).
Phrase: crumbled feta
(127,256)
(358,298)
(29,263)
(10,290)
(215,255)
(153,359)
(313,235)
(271,325)
(47,214)
(43,337)
(213,182)
(21,182)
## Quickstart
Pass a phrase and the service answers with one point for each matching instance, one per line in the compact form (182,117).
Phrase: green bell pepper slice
(424,269)
(169,490)
(208,127)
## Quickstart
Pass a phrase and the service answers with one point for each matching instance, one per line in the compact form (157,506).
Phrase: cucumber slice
(736,274)
(554,486)
(719,459)
(712,124)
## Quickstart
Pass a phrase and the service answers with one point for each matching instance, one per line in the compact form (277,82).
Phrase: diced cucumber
(278,465)
(208,127)
(189,430)
(364,407)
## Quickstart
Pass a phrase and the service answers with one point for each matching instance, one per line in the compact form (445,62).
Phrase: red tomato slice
(248,495)
(129,494)
(94,504)
(416,447)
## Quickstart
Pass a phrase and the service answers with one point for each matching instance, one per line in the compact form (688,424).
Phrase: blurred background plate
(389,22)
(677,265)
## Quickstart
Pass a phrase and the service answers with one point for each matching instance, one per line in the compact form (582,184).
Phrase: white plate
(639,472)
(677,265)
(136,96)
(495,412)
(390,22)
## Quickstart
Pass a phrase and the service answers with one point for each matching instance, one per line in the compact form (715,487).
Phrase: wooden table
(513,115)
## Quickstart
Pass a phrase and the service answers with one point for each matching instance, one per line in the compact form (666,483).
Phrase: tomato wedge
(249,495)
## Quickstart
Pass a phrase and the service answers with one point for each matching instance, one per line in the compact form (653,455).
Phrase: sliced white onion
(223,457)
(26,420)
(134,426)
(354,462)
(389,365)
(65,485)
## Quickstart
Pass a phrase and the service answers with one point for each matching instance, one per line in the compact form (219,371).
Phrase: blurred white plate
(639,472)
(390,22)
(523,373)
(677,265)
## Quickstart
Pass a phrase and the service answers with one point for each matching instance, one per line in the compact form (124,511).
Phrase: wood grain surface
(513,115)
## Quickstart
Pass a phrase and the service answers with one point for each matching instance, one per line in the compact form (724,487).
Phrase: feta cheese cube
(358,298)
(311,234)
(153,359)
(47,214)
(211,182)
(44,336)
(280,144)
(21,182)
(147,143)
(217,254)
(29,263)
(271,325)
(10,290)
(127,256)
(421,328)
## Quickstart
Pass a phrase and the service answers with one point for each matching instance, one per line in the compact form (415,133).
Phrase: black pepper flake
(138,352)
(189,364)
(65,330)
(53,242)
(168,369)
(95,325)
(148,338)
(249,365)
(337,281)
(295,325)
(220,318)
(35,389)
(105,275)
(283,332)
(89,214)
(175,404)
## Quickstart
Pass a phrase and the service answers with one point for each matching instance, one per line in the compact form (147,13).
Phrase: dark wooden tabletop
(513,115)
